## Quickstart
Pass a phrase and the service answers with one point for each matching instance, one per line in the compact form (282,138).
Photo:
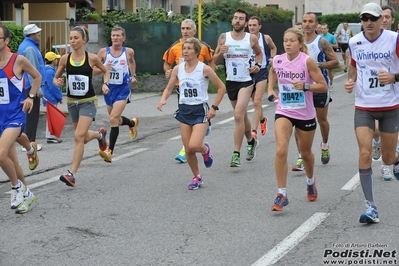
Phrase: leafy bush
(215,11)
(17,35)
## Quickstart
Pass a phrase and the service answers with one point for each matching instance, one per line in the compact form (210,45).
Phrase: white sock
(18,185)
(31,151)
(310,181)
(324,146)
(299,156)
(283,191)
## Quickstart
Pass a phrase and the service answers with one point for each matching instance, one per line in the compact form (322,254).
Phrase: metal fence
(54,35)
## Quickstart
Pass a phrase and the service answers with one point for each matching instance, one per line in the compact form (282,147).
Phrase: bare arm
(101,54)
(332,62)
(314,72)
(58,80)
(132,64)
(169,88)
(272,46)
(220,49)
(272,81)
(27,67)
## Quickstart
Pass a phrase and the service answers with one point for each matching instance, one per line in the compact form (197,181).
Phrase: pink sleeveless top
(293,103)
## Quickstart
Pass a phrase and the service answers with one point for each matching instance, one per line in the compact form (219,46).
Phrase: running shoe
(208,157)
(133,130)
(53,141)
(298,165)
(325,155)
(386,173)
(181,157)
(280,202)
(33,159)
(370,216)
(196,183)
(27,202)
(263,126)
(106,155)
(376,150)
(68,179)
(396,171)
(102,142)
(17,196)
(251,150)
(311,194)
(235,160)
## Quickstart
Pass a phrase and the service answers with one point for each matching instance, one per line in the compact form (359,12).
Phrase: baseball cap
(372,9)
(31,29)
(51,56)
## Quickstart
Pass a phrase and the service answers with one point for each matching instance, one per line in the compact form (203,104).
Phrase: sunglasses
(372,18)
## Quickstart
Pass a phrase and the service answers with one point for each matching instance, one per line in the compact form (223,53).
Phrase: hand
(254,69)
(223,49)
(349,85)
(109,65)
(211,113)
(272,96)
(160,104)
(133,80)
(298,85)
(385,78)
(58,82)
(105,89)
(27,105)
(168,73)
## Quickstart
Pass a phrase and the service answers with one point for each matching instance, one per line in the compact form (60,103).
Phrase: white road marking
(55,178)
(282,248)
(352,184)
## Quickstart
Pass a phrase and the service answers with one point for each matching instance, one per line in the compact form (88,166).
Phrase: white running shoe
(376,150)
(17,196)
(386,173)
(27,202)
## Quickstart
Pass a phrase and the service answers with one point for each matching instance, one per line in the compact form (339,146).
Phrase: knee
(281,153)
(389,159)
(306,155)
(79,138)
(365,155)
(238,118)
(114,121)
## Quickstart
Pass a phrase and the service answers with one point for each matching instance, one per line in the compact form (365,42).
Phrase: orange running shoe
(33,159)
(312,192)
(102,142)
(263,126)
(280,202)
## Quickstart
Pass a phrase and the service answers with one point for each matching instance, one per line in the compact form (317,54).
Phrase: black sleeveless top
(80,84)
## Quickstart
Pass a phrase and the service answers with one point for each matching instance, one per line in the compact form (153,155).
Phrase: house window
(185,10)
(115,4)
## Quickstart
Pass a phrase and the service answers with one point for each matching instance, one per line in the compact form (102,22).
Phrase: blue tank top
(11,94)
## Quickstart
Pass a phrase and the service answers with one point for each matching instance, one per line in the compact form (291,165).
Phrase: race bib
(116,75)
(236,71)
(291,98)
(371,85)
(4,92)
(78,85)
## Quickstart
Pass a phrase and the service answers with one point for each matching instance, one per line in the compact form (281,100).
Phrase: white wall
(338,6)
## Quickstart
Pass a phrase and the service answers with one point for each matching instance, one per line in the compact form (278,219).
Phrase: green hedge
(17,35)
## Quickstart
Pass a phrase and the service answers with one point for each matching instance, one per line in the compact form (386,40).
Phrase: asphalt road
(138,210)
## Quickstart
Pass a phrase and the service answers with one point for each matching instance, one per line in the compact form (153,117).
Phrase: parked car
(355,27)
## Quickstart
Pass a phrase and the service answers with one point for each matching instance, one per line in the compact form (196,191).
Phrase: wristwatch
(397,77)
(258,64)
(106,83)
(215,107)
(306,86)
(31,95)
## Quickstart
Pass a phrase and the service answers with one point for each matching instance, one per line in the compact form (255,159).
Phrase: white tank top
(193,86)
(237,58)
(345,35)
(262,47)
(119,73)
(318,55)
(370,58)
